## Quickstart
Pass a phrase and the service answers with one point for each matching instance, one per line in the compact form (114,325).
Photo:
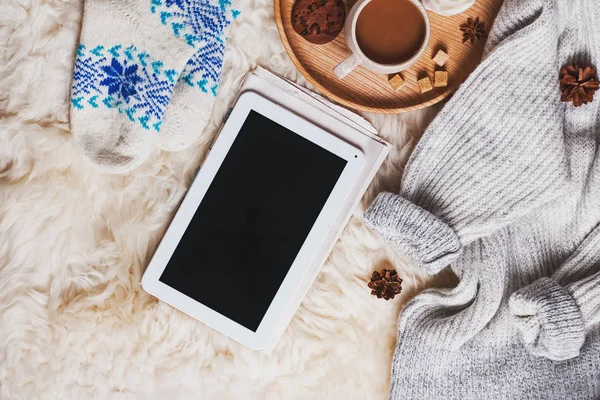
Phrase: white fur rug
(74,321)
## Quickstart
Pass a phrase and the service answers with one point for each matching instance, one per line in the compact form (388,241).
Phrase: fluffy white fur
(74,321)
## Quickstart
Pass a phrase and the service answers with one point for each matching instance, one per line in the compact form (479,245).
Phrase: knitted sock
(131,53)
(194,94)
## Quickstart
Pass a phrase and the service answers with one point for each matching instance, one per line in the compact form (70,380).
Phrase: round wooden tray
(368,91)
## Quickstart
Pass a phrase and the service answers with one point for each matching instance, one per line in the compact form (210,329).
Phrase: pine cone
(578,84)
(386,284)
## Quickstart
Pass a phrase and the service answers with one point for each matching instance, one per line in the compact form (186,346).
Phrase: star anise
(578,84)
(473,29)
(386,284)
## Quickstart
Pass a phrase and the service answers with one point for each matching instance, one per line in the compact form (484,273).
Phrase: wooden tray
(368,91)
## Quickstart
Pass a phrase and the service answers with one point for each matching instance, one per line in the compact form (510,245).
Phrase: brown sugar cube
(396,82)
(425,84)
(440,58)
(440,79)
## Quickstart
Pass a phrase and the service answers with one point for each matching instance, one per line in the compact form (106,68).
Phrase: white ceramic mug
(357,57)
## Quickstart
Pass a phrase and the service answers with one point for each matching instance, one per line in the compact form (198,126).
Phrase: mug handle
(346,66)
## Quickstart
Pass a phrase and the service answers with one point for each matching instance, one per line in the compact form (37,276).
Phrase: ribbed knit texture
(505,187)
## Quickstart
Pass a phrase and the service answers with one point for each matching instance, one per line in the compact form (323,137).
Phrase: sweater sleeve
(476,170)
(554,314)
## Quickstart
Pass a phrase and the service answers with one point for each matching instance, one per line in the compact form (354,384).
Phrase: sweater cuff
(431,243)
(549,320)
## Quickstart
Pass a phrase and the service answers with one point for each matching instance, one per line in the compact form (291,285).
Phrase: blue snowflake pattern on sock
(121,79)
(202,24)
(124,79)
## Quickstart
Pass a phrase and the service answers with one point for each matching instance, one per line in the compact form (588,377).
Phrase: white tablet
(252,220)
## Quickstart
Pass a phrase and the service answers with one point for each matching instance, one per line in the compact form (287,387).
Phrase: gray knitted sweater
(505,187)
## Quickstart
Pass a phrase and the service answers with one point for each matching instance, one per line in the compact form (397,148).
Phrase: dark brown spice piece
(473,29)
(578,84)
(385,284)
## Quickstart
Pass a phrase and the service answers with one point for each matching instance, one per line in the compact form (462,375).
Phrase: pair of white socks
(146,74)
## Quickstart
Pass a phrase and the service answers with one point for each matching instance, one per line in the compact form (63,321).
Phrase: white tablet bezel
(247,102)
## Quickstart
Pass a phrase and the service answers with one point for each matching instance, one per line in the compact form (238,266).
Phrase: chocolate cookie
(318,21)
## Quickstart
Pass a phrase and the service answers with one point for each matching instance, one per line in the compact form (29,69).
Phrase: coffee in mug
(390,31)
(385,36)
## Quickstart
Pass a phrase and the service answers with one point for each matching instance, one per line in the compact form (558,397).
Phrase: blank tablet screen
(253,220)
